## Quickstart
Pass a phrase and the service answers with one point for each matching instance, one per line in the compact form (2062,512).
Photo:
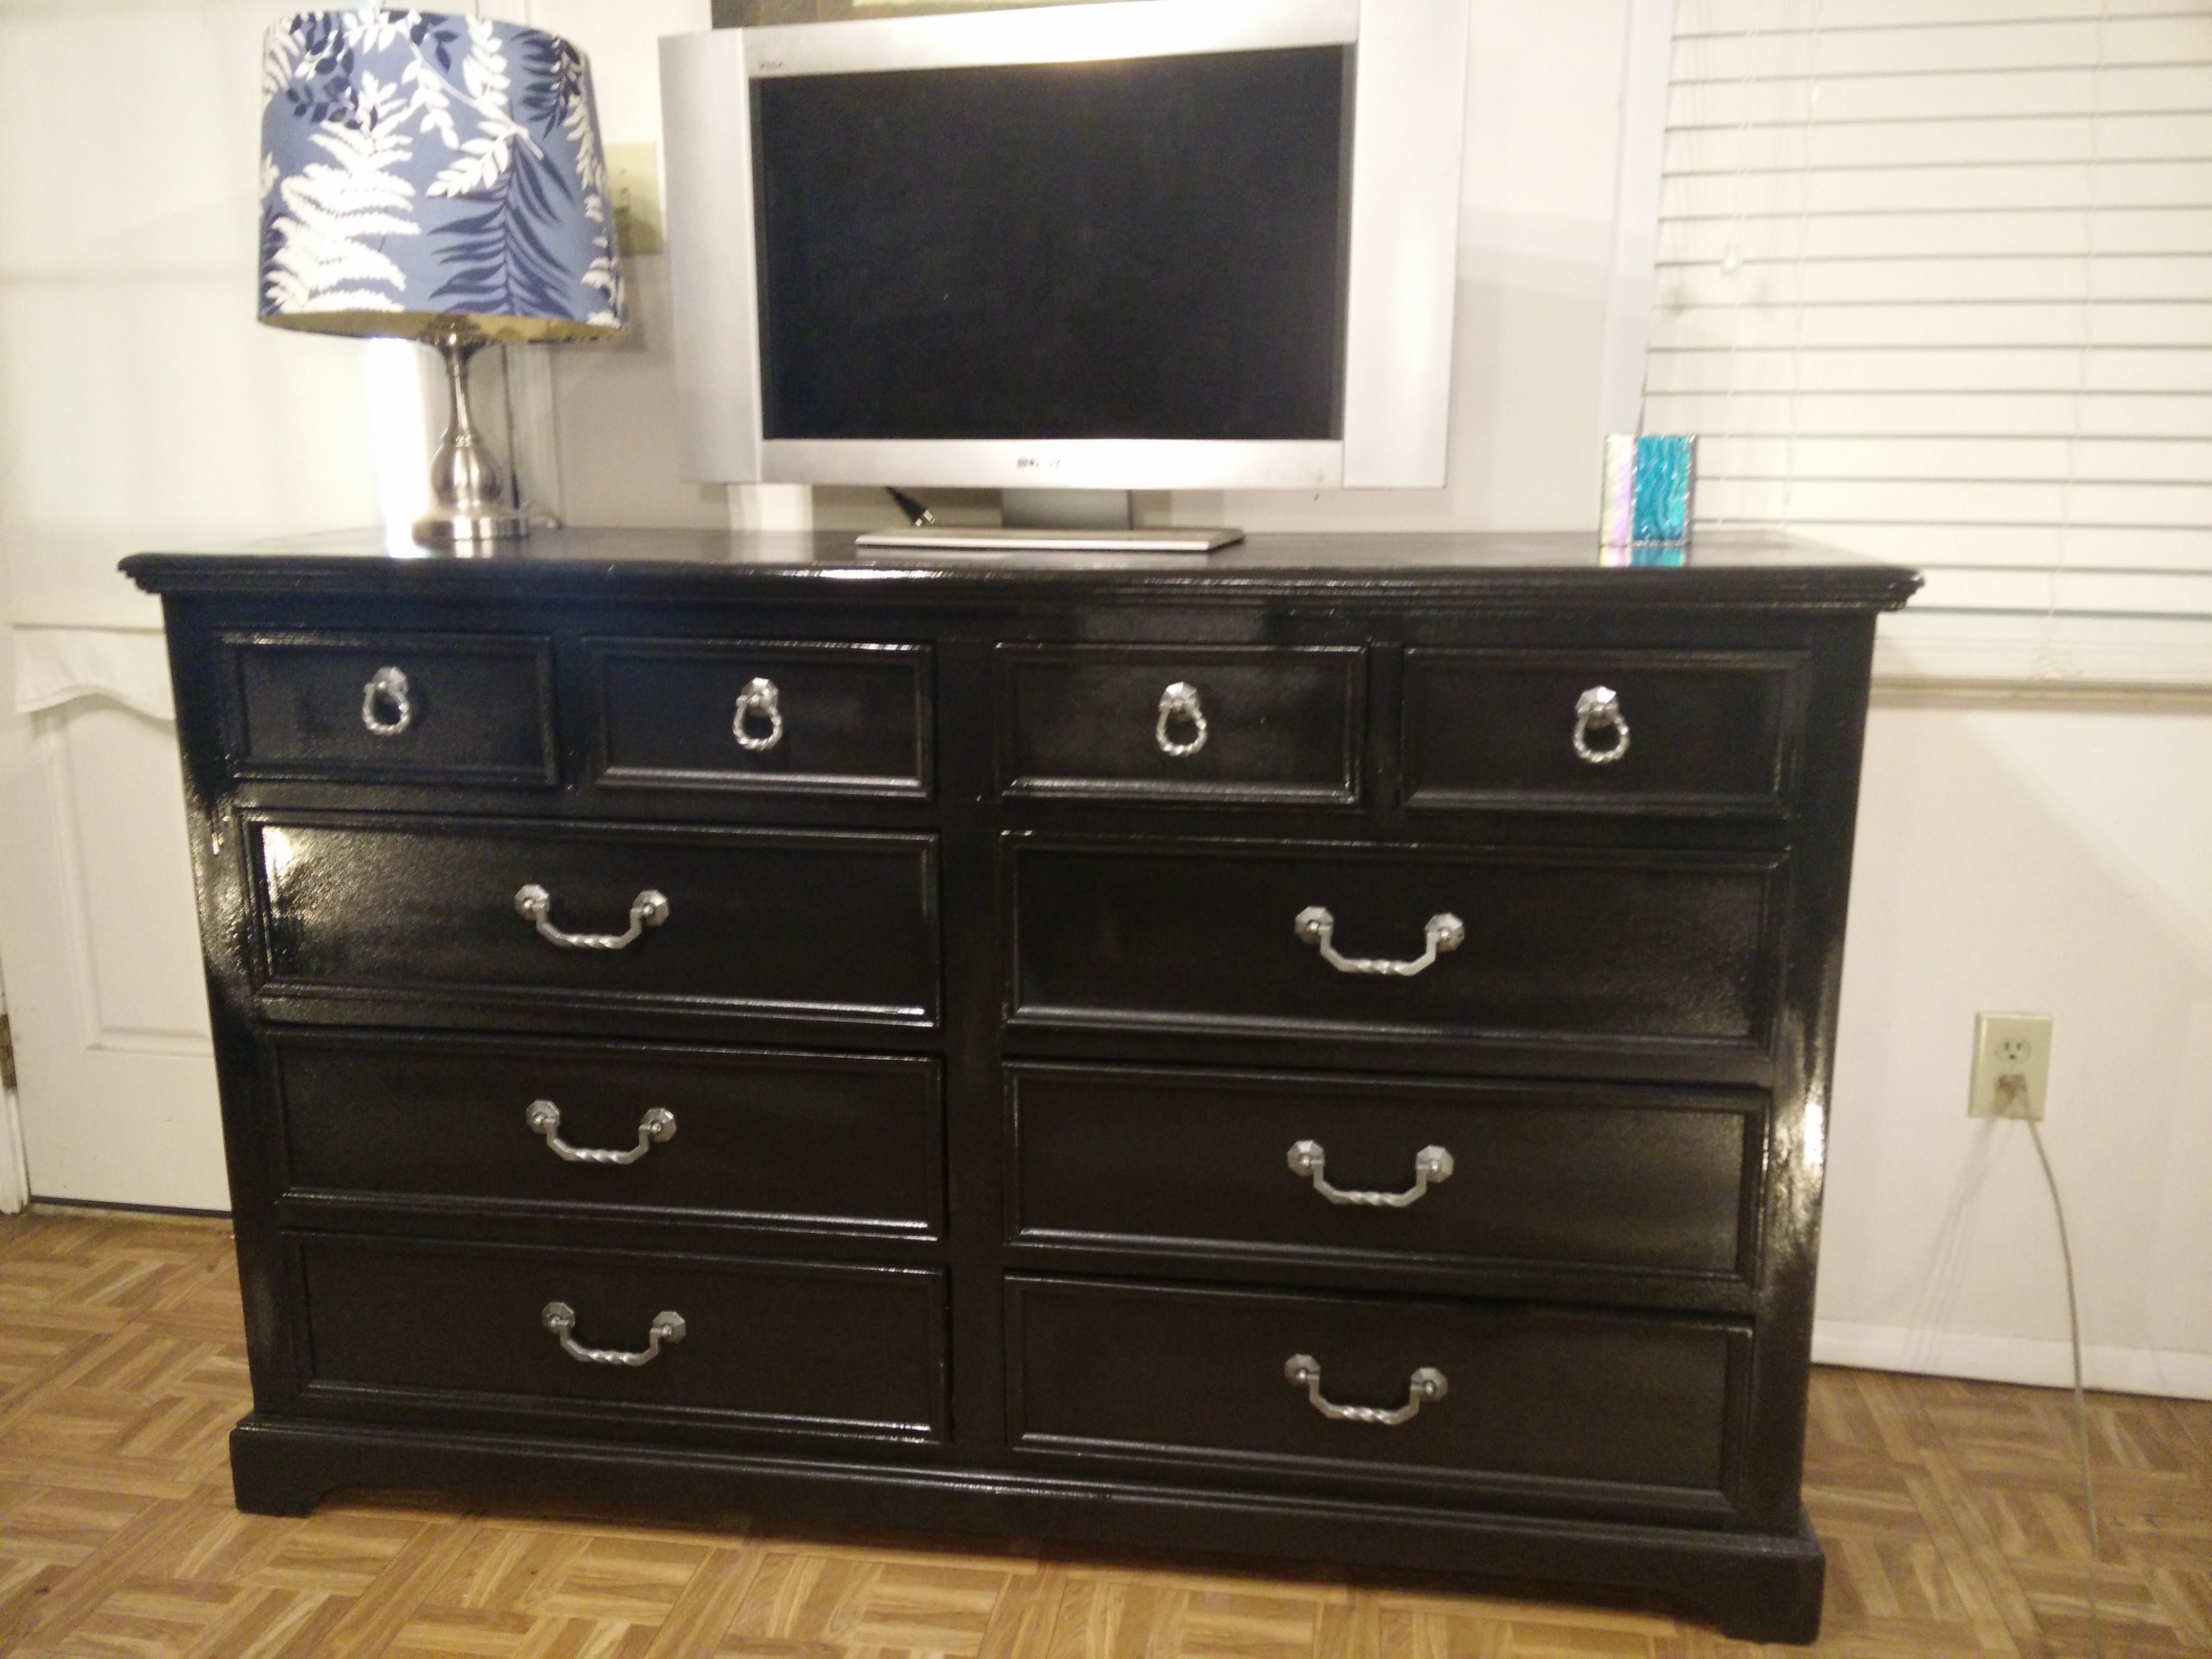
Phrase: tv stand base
(1004,538)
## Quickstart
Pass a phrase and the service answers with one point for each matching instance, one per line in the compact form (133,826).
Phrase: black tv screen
(1141,248)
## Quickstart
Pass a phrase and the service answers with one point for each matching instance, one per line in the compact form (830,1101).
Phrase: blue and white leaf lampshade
(432,176)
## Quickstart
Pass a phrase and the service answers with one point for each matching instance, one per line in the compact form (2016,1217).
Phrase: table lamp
(440,179)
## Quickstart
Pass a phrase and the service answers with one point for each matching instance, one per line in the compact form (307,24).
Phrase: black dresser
(1321,1051)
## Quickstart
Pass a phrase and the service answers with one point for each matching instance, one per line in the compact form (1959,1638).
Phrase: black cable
(916,514)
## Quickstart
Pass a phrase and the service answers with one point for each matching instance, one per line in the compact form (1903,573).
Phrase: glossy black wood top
(1723,571)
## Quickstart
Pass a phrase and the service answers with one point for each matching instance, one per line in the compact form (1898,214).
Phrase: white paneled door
(115,1086)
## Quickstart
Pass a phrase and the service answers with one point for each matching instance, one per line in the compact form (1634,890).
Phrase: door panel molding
(115,1099)
(139,904)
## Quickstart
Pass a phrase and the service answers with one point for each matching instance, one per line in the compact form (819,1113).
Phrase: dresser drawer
(1449,1173)
(1184,723)
(1210,936)
(787,1345)
(1534,1400)
(455,708)
(1644,730)
(747,920)
(763,1138)
(831,719)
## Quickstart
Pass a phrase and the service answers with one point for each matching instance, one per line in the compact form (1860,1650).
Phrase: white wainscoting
(132,935)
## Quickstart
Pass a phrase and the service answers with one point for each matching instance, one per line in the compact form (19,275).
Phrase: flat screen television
(1144,245)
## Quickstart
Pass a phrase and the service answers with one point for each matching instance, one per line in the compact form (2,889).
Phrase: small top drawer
(464,708)
(1632,730)
(1194,723)
(849,719)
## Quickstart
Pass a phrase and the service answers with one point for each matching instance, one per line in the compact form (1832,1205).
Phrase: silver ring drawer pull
(1179,703)
(1432,1165)
(648,909)
(561,1319)
(1426,1386)
(386,691)
(543,1118)
(760,699)
(1600,706)
(1445,932)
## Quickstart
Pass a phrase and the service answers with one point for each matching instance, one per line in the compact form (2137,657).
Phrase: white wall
(614,406)
(140,403)
(2047,858)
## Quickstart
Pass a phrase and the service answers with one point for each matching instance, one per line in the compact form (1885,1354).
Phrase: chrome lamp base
(470,514)
(469,534)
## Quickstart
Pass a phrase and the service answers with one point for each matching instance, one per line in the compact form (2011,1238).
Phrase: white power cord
(2080,1404)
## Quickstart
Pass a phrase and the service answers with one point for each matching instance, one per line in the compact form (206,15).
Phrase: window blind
(1934,283)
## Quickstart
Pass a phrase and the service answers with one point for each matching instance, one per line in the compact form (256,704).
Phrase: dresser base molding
(1755,1586)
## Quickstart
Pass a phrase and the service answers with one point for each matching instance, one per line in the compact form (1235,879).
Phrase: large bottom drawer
(795,1346)
(1630,1412)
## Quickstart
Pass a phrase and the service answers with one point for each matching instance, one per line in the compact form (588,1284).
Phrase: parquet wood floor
(1950,1510)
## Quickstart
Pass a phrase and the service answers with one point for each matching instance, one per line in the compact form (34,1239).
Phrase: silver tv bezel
(1409,112)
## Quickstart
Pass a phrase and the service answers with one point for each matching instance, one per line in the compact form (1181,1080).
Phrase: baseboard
(2042,1362)
(41,1203)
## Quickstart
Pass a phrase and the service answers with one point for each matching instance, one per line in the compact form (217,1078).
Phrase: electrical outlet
(2011,1066)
